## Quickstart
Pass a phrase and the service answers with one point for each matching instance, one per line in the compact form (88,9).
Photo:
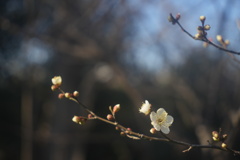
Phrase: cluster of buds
(68,95)
(219,137)
(223,42)
(114,110)
(201,30)
(172,19)
(56,84)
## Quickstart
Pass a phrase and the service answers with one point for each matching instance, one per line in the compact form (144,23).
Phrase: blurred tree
(100,49)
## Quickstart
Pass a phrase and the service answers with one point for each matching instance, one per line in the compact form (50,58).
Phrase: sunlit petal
(153,116)
(160,111)
(169,119)
(165,129)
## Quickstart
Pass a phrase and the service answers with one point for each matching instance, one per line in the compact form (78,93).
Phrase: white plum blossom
(161,120)
(145,108)
(57,80)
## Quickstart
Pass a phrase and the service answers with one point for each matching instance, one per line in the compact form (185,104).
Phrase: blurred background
(114,52)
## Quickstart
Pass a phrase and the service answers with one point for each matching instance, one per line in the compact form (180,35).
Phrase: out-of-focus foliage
(112,52)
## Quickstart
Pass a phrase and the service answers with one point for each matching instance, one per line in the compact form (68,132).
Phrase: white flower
(57,80)
(161,120)
(145,108)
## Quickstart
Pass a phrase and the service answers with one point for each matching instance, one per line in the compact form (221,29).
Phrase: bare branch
(203,38)
(138,136)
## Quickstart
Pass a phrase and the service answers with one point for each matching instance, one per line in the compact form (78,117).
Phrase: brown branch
(203,39)
(138,136)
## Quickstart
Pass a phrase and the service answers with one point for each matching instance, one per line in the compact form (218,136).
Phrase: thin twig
(137,136)
(204,39)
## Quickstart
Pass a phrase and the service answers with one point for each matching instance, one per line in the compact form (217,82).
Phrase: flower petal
(169,120)
(153,116)
(165,129)
(161,111)
(156,126)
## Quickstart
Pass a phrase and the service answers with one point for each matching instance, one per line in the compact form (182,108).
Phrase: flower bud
(198,36)
(90,116)
(227,42)
(110,117)
(128,130)
(215,139)
(54,87)
(61,95)
(79,120)
(57,80)
(116,108)
(224,145)
(215,135)
(68,95)
(207,27)
(75,93)
(76,119)
(178,16)
(153,130)
(122,134)
(219,38)
(202,18)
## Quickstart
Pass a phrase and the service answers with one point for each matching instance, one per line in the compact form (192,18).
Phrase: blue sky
(154,36)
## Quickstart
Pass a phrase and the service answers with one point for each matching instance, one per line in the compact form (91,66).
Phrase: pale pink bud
(61,96)
(75,93)
(178,16)
(153,130)
(54,87)
(110,117)
(116,108)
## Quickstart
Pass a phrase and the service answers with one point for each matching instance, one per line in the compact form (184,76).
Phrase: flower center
(160,120)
